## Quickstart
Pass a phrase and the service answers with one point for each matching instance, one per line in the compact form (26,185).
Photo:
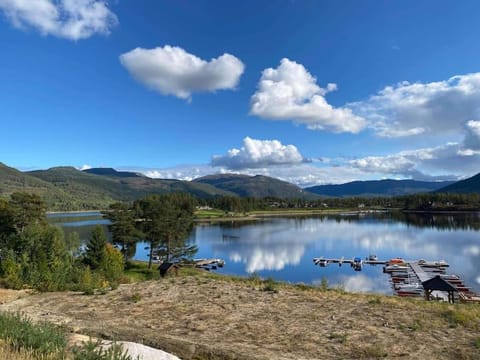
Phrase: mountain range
(386,187)
(67,188)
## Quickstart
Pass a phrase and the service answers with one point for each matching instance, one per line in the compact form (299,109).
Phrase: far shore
(261,214)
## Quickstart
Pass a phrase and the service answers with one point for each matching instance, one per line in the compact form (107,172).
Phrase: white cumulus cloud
(290,92)
(259,153)
(69,19)
(429,109)
(440,163)
(171,70)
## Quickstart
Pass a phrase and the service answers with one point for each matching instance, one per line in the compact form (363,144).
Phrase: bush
(11,272)
(270,285)
(112,265)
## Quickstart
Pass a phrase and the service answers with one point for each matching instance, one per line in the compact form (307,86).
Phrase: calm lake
(283,248)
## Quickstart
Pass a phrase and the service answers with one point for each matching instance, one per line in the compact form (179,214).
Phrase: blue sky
(311,92)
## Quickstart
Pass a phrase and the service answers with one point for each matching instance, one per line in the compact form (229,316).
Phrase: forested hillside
(254,186)
(377,188)
(470,185)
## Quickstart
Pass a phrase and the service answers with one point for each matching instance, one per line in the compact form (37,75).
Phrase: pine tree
(95,252)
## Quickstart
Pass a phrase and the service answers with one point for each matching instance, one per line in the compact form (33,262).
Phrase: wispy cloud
(69,19)
(173,71)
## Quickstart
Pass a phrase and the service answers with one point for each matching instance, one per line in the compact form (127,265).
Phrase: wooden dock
(419,272)
(407,277)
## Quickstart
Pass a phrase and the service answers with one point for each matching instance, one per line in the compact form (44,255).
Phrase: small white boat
(395,267)
(438,263)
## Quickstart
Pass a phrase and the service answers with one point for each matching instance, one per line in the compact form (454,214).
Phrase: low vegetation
(22,339)
(288,321)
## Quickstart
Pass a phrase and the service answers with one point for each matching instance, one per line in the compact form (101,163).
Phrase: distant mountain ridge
(254,186)
(112,172)
(372,188)
(470,185)
(67,188)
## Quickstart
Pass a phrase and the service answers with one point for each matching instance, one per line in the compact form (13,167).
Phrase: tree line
(419,202)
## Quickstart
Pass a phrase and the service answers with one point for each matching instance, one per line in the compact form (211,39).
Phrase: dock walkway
(420,272)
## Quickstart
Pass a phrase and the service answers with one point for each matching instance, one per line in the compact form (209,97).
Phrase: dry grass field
(204,316)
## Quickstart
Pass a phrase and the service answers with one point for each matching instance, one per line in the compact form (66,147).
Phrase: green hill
(373,188)
(467,186)
(12,180)
(112,172)
(87,190)
(254,186)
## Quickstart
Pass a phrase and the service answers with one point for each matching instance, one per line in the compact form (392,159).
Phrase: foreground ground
(202,316)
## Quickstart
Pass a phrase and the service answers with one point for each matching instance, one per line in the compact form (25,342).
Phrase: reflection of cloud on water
(271,258)
(472,250)
(275,244)
(358,283)
(271,246)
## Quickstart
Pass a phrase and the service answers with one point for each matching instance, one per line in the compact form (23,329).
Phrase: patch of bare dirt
(200,317)
(7,295)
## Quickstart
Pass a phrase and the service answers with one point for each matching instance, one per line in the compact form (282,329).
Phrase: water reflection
(360,283)
(283,248)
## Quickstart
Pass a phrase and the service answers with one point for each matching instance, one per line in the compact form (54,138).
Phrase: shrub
(11,272)
(270,285)
(324,284)
(112,265)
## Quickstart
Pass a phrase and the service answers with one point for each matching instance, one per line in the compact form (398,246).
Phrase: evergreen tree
(95,251)
(7,224)
(27,209)
(167,220)
(122,228)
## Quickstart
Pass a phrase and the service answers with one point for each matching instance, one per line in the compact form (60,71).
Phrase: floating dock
(356,263)
(209,264)
(408,277)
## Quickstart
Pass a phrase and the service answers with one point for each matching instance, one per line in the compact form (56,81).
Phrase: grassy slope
(199,315)
(11,180)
